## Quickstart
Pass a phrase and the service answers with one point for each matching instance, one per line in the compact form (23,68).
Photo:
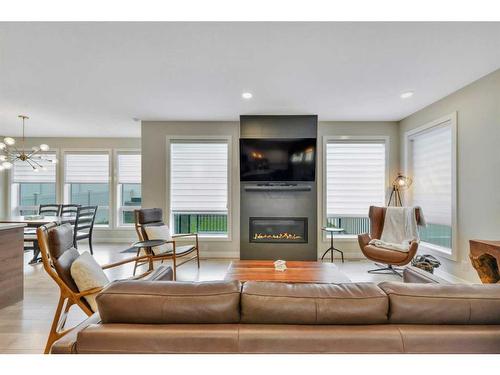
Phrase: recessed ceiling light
(407,94)
(247,95)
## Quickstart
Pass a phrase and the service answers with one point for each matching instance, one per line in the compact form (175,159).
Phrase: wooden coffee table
(297,272)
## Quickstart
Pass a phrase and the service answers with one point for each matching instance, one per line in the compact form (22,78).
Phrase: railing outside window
(207,223)
(351,225)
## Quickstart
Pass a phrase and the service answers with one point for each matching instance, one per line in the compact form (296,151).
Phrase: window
(355,180)
(87,182)
(431,164)
(128,186)
(199,187)
(30,189)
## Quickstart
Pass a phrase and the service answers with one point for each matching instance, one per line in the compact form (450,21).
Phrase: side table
(332,248)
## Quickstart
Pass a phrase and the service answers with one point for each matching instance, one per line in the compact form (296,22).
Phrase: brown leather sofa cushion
(156,302)
(443,304)
(282,303)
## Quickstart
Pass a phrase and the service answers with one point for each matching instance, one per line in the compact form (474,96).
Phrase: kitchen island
(11,263)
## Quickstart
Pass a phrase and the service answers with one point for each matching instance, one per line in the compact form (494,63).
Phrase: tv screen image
(277,159)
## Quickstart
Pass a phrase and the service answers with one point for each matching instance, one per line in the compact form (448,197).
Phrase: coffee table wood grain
(297,272)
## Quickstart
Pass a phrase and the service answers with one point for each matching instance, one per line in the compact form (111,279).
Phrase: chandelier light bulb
(36,170)
(54,161)
(2,146)
(44,147)
(3,158)
(9,141)
(7,164)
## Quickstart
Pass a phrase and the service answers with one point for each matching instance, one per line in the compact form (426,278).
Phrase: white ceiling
(92,79)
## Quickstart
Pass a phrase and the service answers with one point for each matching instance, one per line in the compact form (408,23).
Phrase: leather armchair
(386,256)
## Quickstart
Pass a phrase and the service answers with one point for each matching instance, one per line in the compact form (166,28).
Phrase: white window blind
(23,172)
(129,168)
(355,177)
(86,168)
(199,176)
(431,166)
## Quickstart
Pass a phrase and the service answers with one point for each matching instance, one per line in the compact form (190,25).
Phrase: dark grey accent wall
(275,202)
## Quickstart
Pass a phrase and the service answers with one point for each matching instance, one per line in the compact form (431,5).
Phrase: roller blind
(23,172)
(129,168)
(431,166)
(198,178)
(355,177)
(86,168)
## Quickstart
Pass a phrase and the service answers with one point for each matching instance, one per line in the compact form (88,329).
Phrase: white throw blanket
(400,228)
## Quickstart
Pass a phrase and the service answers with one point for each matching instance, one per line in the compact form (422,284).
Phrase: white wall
(478,163)
(61,143)
(353,128)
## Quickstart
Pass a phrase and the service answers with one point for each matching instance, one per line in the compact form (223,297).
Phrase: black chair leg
(36,253)
(387,270)
(90,245)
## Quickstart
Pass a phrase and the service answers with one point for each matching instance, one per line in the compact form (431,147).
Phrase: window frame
(354,139)
(15,211)
(437,250)
(201,138)
(116,187)
(64,189)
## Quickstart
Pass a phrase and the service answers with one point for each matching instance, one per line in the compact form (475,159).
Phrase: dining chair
(69,209)
(150,217)
(58,255)
(84,225)
(30,232)
(49,209)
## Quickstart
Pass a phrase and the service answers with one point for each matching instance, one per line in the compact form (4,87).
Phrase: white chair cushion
(160,232)
(88,274)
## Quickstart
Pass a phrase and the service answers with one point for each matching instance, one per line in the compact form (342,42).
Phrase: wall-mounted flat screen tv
(277,159)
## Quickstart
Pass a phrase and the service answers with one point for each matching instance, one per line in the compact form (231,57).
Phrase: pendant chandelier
(36,158)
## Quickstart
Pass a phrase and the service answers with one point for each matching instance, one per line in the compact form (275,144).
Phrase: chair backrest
(85,218)
(147,217)
(58,254)
(49,209)
(377,218)
(69,210)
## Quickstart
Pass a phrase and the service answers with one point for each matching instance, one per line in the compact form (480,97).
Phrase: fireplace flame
(278,236)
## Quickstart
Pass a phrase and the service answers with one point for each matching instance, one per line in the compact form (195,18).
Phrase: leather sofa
(266,317)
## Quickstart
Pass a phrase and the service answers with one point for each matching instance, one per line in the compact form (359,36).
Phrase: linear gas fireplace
(278,229)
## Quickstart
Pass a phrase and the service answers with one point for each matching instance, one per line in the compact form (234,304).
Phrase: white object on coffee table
(280,265)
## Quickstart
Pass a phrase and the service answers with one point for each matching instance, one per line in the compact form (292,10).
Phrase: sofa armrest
(67,343)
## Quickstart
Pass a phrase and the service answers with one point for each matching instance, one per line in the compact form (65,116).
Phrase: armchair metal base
(387,270)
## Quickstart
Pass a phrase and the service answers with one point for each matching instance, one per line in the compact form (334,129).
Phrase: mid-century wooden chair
(154,217)
(58,254)
(388,257)
(84,225)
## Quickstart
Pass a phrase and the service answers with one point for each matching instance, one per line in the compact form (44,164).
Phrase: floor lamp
(400,183)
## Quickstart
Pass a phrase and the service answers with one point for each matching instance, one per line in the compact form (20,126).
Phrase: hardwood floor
(24,325)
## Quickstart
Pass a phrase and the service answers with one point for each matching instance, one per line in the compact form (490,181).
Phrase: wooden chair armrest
(88,292)
(125,261)
(185,235)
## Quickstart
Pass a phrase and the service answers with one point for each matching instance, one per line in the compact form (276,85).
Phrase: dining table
(35,221)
